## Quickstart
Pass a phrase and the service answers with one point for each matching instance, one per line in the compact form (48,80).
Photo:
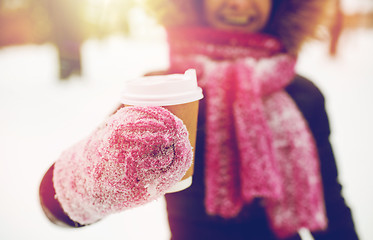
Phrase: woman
(264,167)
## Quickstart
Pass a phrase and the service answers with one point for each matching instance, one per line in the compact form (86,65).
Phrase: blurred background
(62,65)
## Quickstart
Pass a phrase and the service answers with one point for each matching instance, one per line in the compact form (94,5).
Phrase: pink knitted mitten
(132,159)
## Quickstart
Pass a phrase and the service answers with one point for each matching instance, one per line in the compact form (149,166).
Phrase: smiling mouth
(237,20)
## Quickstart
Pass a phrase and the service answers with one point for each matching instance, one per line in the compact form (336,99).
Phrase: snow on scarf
(258,143)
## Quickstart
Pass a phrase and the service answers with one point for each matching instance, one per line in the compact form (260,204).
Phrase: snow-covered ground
(41,116)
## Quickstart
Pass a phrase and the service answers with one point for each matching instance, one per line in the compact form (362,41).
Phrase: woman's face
(240,15)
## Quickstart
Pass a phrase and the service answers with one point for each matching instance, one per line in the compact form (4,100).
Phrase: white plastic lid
(162,90)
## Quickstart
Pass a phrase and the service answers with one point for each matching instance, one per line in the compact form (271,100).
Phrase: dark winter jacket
(186,211)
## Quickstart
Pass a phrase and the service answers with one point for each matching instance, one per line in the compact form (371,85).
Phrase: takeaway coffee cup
(179,93)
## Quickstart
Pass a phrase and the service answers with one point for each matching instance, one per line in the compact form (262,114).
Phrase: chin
(238,28)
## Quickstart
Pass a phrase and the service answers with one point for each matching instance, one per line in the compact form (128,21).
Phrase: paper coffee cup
(180,94)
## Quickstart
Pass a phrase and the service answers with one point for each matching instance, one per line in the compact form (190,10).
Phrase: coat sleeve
(312,104)
(49,203)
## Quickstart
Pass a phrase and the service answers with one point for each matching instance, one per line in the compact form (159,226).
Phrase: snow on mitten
(132,159)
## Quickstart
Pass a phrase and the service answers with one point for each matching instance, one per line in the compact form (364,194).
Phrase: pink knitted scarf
(258,143)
